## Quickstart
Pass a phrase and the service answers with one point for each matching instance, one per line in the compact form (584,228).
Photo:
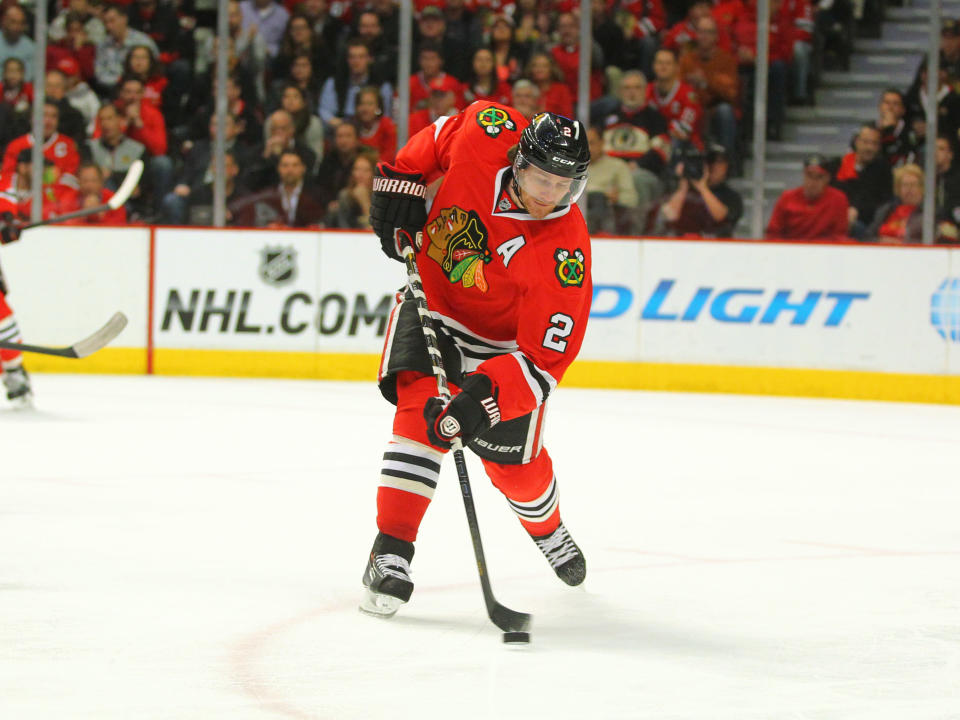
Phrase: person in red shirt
(642,22)
(376,129)
(675,100)
(813,211)
(901,219)
(442,102)
(799,15)
(145,124)
(743,31)
(566,54)
(483,82)
(555,97)
(93,194)
(505,262)
(142,121)
(430,58)
(59,190)
(59,149)
(142,64)
(75,45)
(683,35)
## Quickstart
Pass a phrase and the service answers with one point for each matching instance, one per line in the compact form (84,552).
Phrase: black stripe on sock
(413,460)
(409,476)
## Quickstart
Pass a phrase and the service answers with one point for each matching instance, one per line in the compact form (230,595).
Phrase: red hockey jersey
(513,292)
(58,149)
(680,108)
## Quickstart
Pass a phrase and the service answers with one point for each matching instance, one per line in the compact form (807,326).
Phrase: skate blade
(24,402)
(378,604)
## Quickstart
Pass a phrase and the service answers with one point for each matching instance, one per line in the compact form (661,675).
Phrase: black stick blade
(509,620)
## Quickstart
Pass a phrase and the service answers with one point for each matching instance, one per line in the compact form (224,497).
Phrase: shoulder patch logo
(458,243)
(493,120)
(570,269)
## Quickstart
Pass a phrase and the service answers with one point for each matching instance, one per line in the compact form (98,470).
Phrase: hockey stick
(80,349)
(503,617)
(119,198)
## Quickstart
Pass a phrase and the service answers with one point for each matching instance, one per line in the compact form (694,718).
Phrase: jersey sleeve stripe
(540,381)
(438,126)
(458,329)
(530,442)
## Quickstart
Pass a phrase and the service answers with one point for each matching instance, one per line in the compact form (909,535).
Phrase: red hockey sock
(531,491)
(9,331)
(399,513)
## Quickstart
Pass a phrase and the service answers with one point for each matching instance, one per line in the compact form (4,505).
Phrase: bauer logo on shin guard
(449,427)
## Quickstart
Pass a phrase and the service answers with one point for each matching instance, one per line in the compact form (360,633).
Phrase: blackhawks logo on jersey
(458,242)
(493,120)
(570,269)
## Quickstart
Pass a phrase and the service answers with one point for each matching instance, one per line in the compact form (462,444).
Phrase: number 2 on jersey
(561,328)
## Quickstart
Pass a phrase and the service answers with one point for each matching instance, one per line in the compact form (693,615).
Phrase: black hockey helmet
(556,145)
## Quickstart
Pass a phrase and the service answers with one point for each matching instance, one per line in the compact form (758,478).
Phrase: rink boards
(772,318)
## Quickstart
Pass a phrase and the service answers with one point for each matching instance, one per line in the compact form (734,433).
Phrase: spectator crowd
(875,192)
(313,103)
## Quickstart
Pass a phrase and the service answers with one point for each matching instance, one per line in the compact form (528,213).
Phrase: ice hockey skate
(386,581)
(563,555)
(17,383)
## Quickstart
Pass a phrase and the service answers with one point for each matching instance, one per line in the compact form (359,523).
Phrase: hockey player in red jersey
(505,263)
(15,378)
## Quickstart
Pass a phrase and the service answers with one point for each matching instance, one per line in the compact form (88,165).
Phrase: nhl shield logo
(278,265)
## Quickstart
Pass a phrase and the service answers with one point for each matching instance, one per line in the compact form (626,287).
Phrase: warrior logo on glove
(458,242)
(404,187)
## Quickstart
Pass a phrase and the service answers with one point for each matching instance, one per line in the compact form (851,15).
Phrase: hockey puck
(516,638)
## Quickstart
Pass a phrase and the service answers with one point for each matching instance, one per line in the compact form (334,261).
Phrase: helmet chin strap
(515,186)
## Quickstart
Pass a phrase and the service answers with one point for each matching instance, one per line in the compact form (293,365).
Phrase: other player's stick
(503,617)
(80,349)
(119,198)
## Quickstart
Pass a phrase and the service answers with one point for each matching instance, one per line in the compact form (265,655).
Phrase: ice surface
(192,548)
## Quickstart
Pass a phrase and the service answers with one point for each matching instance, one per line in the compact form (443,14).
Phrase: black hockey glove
(9,228)
(397,202)
(472,412)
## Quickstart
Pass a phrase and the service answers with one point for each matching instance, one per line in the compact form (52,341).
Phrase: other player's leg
(15,378)
(408,478)
(532,493)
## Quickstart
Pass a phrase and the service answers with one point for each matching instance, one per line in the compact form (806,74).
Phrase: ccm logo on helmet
(563,161)
(391,185)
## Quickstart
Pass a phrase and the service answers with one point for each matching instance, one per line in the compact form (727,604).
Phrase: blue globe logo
(945,309)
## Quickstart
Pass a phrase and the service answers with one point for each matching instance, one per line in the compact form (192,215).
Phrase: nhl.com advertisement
(283,291)
(744,304)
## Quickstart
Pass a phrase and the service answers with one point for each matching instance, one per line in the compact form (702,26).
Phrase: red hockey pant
(411,469)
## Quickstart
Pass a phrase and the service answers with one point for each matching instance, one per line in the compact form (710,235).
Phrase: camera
(693,162)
